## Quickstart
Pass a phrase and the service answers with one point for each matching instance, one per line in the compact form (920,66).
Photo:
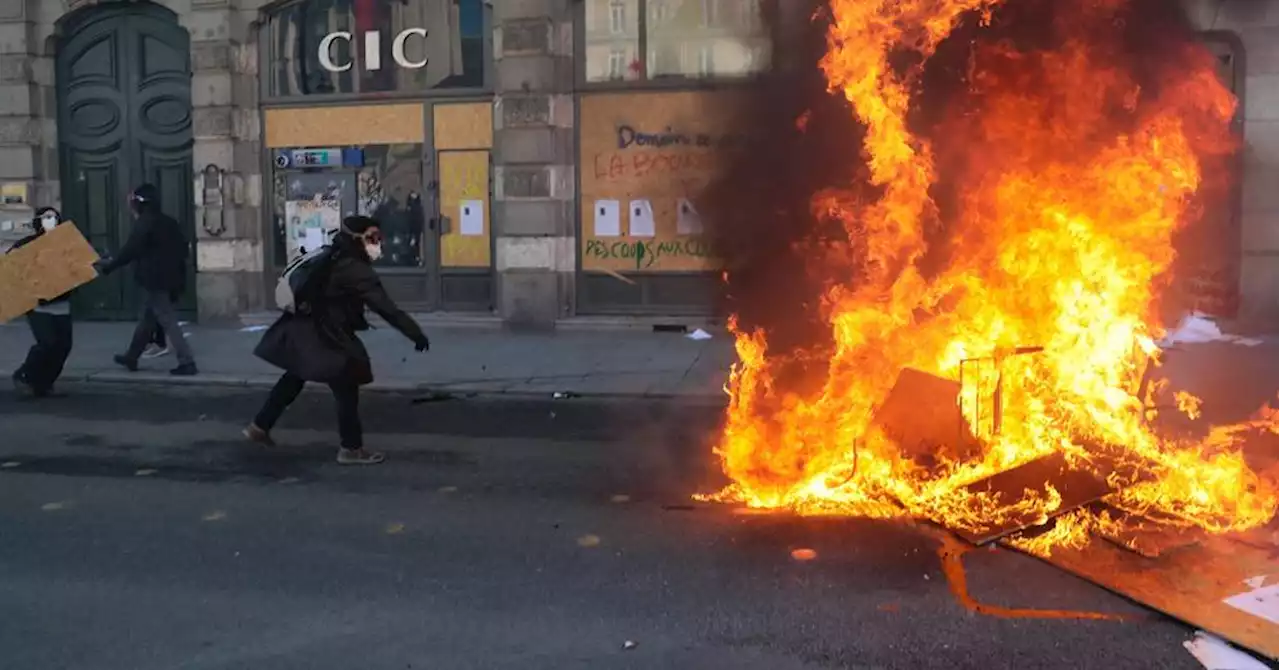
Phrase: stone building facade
(507,166)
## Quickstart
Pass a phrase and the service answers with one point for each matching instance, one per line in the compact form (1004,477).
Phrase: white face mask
(374,251)
(48,222)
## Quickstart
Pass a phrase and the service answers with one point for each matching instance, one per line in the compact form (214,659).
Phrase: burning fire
(1076,174)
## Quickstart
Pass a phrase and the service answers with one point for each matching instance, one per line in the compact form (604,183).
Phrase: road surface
(138,533)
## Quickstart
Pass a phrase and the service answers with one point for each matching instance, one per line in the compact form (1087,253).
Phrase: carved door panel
(124,118)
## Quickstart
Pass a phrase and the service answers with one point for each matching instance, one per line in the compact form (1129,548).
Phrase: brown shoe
(360,457)
(258,436)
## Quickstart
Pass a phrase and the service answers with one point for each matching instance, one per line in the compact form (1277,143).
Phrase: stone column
(534,161)
(224,97)
(28,134)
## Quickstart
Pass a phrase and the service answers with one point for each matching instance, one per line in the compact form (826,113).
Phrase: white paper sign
(471,218)
(687,220)
(608,218)
(641,219)
(1262,602)
(314,239)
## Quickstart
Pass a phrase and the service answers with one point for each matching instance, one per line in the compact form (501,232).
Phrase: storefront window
(381,181)
(320,47)
(681,39)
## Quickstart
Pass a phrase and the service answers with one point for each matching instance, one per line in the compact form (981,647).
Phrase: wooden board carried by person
(51,265)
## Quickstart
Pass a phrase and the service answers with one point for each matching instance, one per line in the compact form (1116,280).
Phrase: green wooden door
(124,118)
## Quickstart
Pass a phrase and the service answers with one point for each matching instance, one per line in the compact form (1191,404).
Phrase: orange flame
(1061,234)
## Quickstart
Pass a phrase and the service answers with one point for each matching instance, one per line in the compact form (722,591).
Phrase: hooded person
(157,250)
(321,344)
(50,324)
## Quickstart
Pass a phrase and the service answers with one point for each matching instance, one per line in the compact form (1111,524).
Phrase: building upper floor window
(710,13)
(318,47)
(678,39)
(618,17)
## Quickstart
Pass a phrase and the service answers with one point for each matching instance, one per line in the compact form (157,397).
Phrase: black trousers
(346,395)
(48,355)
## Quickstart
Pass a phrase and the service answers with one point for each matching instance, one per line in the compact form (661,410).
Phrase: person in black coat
(157,249)
(50,324)
(321,345)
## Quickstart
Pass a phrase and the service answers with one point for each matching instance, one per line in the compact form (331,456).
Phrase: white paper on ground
(699,334)
(1256,582)
(471,216)
(641,219)
(1196,328)
(608,219)
(1261,602)
(687,220)
(1215,654)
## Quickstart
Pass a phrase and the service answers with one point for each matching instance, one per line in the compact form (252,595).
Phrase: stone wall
(28,108)
(1253,24)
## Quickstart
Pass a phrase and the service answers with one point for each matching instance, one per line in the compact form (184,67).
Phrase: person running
(50,324)
(322,346)
(157,249)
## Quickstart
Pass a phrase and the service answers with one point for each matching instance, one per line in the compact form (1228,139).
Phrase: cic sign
(372,50)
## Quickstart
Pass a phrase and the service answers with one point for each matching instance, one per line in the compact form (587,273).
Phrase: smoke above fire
(932,182)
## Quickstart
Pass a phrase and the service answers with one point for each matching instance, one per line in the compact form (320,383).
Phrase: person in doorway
(322,345)
(50,324)
(157,249)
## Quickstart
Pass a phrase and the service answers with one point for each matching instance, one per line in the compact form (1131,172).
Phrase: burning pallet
(1225,584)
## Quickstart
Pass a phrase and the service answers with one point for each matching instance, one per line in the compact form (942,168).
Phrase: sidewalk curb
(214,380)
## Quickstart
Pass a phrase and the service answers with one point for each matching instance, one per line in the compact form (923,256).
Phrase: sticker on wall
(641,219)
(608,219)
(471,216)
(687,220)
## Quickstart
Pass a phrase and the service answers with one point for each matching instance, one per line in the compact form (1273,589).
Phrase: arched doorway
(124,118)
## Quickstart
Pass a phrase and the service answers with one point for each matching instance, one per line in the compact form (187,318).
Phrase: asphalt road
(138,533)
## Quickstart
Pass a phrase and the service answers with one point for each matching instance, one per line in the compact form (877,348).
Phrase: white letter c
(397,48)
(326,45)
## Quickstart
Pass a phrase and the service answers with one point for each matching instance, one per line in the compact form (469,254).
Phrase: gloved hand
(422,345)
(100,266)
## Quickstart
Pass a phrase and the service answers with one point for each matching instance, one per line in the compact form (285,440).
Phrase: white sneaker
(154,351)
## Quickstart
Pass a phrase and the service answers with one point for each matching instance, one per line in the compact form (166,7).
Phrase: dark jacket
(158,251)
(28,240)
(322,346)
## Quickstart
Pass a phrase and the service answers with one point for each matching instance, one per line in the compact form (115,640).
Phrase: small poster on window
(309,222)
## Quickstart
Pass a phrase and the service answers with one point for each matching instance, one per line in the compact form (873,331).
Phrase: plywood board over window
(645,160)
(467,125)
(464,193)
(352,125)
(463,135)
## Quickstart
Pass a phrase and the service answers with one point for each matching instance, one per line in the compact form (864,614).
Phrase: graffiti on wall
(645,160)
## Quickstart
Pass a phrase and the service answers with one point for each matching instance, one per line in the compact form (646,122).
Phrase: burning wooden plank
(1077,486)
(921,414)
(1191,584)
(1149,537)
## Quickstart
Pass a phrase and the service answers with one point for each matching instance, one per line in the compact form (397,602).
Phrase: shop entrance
(124,118)
(422,170)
